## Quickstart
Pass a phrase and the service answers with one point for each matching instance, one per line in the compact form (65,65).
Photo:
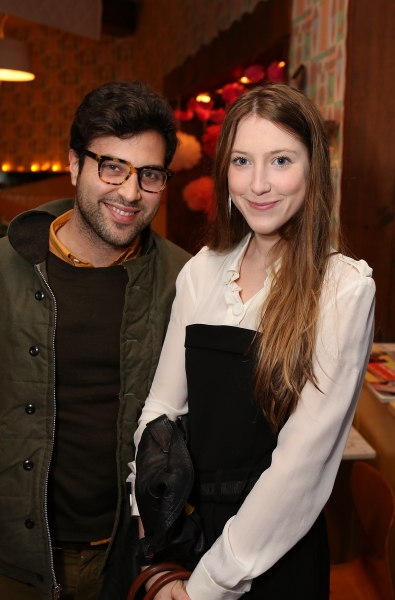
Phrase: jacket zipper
(56,587)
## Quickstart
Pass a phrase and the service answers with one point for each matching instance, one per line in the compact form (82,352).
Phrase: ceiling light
(14,58)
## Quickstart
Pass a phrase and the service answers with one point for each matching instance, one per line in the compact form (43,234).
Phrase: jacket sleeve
(168,394)
(299,481)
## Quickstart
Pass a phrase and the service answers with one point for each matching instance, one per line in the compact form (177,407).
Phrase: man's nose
(130,190)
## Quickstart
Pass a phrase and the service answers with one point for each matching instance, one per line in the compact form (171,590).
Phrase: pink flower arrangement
(183,115)
(232,91)
(210,139)
(217,116)
(201,109)
(275,73)
(255,73)
(199,194)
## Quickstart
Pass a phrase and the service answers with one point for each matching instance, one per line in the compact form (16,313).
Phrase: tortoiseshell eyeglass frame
(132,169)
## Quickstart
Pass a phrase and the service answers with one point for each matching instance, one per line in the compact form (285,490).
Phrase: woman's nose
(260,182)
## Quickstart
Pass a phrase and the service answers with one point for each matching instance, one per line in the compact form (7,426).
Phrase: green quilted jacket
(27,367)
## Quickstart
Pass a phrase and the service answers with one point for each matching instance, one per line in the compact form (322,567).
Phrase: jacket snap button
(27,465)
(33,351)
(40,577)
(30,409)
(39,295)
(29,523)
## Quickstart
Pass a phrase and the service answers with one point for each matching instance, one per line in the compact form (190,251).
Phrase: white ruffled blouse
(294,489)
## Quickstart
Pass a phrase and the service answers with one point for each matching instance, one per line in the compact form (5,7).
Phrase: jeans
(75,571)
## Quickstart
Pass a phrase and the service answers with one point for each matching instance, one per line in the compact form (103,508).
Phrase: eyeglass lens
(150,180)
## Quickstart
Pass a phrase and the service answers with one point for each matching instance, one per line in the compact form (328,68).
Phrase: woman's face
(267,175)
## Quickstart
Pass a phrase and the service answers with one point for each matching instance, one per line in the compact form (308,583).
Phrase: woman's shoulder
(209,263)
(201,261)
(342,267)
(346,275)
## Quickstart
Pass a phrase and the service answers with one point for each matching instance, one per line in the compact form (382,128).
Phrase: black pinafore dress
(231,444)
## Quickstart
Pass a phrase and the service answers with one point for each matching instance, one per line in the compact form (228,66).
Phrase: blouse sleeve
(168,394)
(299,481)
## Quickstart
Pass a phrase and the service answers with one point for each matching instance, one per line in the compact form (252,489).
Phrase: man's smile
(122,215)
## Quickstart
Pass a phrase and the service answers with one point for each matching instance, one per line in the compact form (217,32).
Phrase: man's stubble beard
(99,230)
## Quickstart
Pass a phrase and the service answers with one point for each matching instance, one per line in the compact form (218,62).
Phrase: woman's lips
(262,205)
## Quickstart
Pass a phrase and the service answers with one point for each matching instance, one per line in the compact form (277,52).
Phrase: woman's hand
(173,591)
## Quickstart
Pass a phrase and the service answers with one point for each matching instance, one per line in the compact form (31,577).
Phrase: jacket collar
(28,233)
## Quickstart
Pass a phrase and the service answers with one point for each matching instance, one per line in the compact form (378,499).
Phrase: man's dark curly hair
(122,109)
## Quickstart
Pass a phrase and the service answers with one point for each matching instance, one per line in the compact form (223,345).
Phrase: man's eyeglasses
(116,171)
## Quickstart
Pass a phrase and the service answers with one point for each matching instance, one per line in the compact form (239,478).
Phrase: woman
(277,328)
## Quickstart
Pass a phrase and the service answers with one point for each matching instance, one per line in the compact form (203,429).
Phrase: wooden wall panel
(368,183)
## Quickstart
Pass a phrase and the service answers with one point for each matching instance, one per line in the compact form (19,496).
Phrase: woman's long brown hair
(288,324)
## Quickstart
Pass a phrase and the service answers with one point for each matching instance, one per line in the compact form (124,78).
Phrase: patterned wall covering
(319,30)
(36,116)
(61,14)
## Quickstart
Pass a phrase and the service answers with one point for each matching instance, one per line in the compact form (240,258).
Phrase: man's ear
(74,166)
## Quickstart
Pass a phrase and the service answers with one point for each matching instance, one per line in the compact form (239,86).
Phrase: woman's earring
(229,207)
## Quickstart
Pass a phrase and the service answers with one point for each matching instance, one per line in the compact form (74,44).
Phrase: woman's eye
(240,161)
(281,161)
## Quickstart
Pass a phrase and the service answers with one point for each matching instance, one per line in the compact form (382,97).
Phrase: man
(86,293)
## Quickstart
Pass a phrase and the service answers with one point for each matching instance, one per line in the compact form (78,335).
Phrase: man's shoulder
(170,252)
(29,231)
(5,245)
(57,207)
(10,260)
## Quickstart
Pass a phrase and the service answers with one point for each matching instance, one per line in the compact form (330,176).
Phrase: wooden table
(375,420)
(391,408)
(339,510)
(357,448)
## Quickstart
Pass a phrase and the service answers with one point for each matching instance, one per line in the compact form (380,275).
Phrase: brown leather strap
(149,572)
(164,580)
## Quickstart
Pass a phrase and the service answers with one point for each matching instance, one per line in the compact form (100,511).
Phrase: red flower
(232,91)
(217,116)
(275,73)
(201,109)
(255,73)
(210,139)
(203,113)
(183,115)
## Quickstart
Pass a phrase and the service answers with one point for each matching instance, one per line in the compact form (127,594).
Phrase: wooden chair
(368,577)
